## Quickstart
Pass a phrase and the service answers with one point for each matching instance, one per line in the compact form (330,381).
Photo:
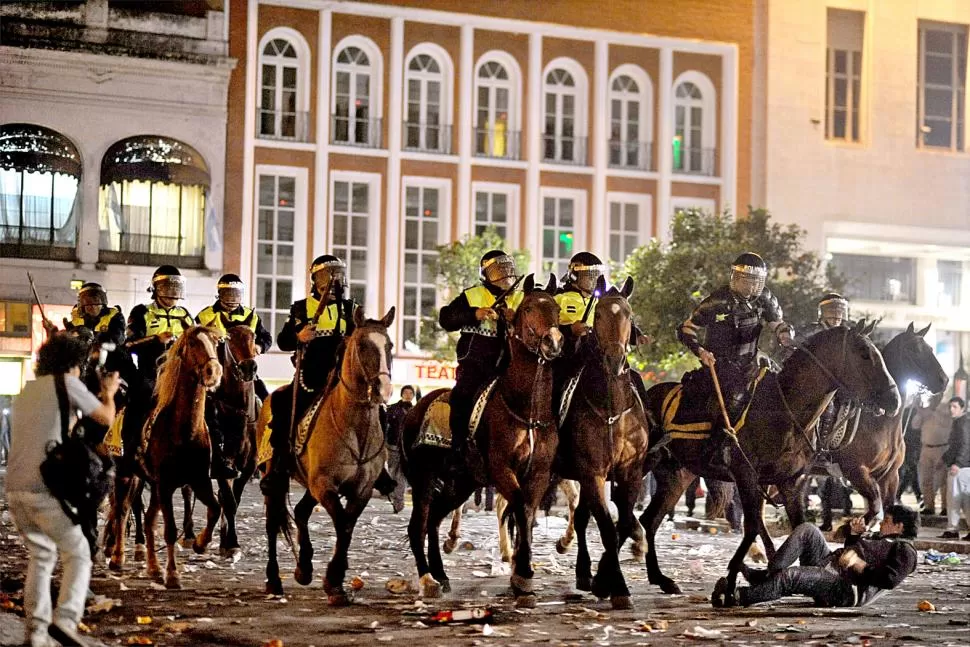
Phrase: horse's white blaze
(210,350)
(615,308)
(378,340)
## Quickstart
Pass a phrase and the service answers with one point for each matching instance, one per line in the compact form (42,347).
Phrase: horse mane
(166,386)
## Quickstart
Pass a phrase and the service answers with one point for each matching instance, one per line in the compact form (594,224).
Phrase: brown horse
(343,457)
(776,445)
(604,438)
(178,448)
(872,459)
(515,444)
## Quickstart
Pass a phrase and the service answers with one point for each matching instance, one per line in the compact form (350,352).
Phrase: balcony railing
(497,142)
(695,161)
(148,249)
(560,149)
(34,242)
(286,126)
(427,138)
(354,131)
(631,155)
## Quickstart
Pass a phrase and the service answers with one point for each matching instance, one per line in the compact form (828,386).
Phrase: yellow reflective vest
(572,305)
(159,320)
(327,322)
(209,317)
(480,297)
(77,319)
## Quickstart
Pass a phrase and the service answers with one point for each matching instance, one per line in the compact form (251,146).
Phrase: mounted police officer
(92,312)
(482,322)
(732,318)
(153,326)
(833,311)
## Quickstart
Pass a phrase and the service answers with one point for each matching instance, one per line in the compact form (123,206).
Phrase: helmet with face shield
(230,289)
(748,274)
(833,310)
(584,270)
(498,269)
(168,282)
(91,298)
(328,273)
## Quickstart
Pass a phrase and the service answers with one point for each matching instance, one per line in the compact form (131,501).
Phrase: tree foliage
(671,279)
(457,269)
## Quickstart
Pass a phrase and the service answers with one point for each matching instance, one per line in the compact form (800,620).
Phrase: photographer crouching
(49,521)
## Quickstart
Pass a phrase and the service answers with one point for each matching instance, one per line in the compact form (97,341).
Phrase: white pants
(47,531)
(957,497)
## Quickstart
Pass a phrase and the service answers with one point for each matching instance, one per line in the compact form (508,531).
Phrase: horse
(176,442)
(344,453)
(775,443)
(237,407)
(513,447)
(603,437)
(872,459)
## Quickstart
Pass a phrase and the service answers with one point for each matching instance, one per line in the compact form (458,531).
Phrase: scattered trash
(103,603)
(946,559)
(653,626)
(925,605)
(481,574)
(275,642)
(356,583)
(139,640)
(399,586)
(478,614)
(467,545)
(675,536)
(143,620)
(487,629)
(704,634)
(175,627)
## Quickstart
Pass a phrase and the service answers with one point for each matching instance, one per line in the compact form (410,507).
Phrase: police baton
(48,324)
(500,300)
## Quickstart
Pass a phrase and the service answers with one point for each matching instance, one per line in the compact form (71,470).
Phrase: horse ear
(627,288)
(922,333)
(359,318)
(223,319)
(600,285)
(388,318)
(553,285)
(911,328)
(248,321)
(868,329)
(859,326)
(530,284)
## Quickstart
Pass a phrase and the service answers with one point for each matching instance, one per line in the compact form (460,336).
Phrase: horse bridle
(370,380)
(235,364)
(210,359)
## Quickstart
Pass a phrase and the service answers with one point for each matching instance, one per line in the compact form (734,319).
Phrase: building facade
(860,119)
(112,156)
(379,131)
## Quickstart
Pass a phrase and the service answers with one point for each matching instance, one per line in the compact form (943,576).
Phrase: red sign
(434,371)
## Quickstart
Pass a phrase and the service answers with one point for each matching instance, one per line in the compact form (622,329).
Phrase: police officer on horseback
(732,318)
(153,326)
(481,320)
(92,312)
(833,312)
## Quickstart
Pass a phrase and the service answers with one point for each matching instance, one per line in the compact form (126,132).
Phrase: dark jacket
(732,325)
(958,446)
(889,560)
(395,421)
(460,315)
(320,356)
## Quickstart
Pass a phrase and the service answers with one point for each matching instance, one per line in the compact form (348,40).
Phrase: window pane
(939,41)
(566,212)
(264,259)
(938,70)
(499,207)
(265,225)
(481,207)
(632,216)
(284,295)
(361,198)
(939,103)
(285,225)
(284,260)
(615,215)
(549,211)
(340,190)
(287,188)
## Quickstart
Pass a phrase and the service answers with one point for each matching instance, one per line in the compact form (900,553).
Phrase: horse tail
(549,498)
(280,520)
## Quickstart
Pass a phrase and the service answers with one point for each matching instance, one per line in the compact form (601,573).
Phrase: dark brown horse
(515,442)
(872,459)
(775,437)
(604,438)
(178,449)
(343,457)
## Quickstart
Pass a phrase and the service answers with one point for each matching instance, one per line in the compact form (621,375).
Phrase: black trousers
(282,403)
(471,376)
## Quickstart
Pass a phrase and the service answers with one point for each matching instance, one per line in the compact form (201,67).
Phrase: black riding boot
(276,480)
(721,446)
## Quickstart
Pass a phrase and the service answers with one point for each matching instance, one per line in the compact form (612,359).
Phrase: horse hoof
(449,546)
(198,548)
(562,547)
(141,554)
(521,585)
(303,577)
(621,603)
(600,588)
(639,552)
(670,587)
(232,555)
(155,574)
(172,581)
(446,585)
(116,565)
(274,587)
(507,559)
(187,542)
(339,599)
(430,588)
(525,601)
(584,583)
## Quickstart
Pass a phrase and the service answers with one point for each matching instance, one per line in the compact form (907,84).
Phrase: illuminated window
(558,233)
(496,116)
(843,74)
(427,119)
(40,170)
(942,85)
(283,110)
(351,221)
(630,127)
(694,142)
(425,209)
(275,246)
(153,200)
(356,99)
(564,138)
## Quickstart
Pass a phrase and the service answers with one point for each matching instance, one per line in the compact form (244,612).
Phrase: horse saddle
(684,419)
(436,427)
(837,431)
(113,444)
(302,432)
(568,391)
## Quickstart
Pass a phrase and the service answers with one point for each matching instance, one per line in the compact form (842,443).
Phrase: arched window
(694,124)
(565,113)
(631,128)
(154,192)
(39,174)
(427,109)
(356,93)
(497,106)
(279,70)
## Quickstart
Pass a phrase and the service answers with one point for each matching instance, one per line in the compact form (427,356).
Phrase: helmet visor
(332,278)
(747,285)
(92,298)
(500,271)
(834,311)
(231,294)
(170,286)
(585,276)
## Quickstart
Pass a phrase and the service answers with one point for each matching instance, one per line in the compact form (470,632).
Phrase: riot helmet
(584,270)
(748,274)
(168,282)
(91,299)
(328,271)
(230,289)
(833,310)
(497,268)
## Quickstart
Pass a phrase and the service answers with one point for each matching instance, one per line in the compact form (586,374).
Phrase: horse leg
(584,572)
(889,488)
(344,520)
(165,496)
(138,514)
(454,534)
(188,524)
(228,541)
(670,487)
(151,515)
(120,507)
(439,510)
(861,477)
(303,573)
(609,579)
(275,521)
(571,491)
(203,492)
(504,543)
(626,494)
(753,502)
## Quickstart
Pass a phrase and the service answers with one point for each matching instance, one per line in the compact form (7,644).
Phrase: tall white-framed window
(498,88)
(941,92)
(356,93)
(565,97)
(355,231)
(562,229)
(496,205)
(843,74)
(631,118)
(694,145)
(629,223)
(427,101)
(426,217)
(279,253)
(284,83)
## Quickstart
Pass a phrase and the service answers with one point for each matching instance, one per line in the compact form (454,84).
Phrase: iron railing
(355,131)
(631,155)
